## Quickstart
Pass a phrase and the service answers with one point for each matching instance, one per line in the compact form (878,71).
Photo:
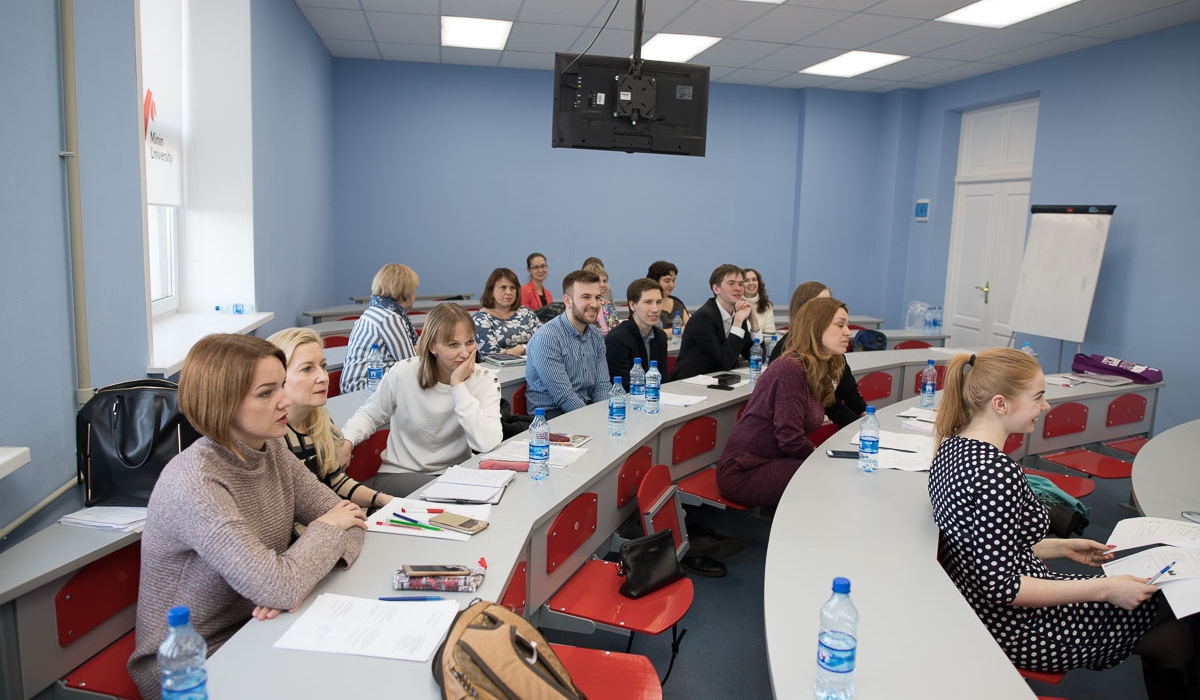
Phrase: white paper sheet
(668,399)
(338,624)
(1184,563)
(708,380)
(418,510)
(927,415)
(477,477)
(518,451)
(115,518)
(1131,533)
(916,461)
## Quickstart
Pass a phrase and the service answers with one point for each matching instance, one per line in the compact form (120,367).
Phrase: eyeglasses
(539,267)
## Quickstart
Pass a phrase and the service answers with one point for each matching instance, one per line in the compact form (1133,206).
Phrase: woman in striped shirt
(385,324)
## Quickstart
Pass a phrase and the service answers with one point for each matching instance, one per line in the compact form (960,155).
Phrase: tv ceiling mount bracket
(636,96)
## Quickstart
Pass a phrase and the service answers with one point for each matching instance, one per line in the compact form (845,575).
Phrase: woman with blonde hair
(218,534)
(439,405)
(994,544)
(384,324)
(311,434)
(770,440)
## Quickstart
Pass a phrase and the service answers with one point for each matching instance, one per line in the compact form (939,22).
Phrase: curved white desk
(1165,477)
(918,637)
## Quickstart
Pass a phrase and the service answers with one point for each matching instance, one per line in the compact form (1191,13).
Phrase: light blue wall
(449,169)
(1117,124)
(292,88)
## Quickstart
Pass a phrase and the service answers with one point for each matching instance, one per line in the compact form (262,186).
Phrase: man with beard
(565,367)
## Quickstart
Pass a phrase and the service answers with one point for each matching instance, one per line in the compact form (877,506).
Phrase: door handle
(987,287)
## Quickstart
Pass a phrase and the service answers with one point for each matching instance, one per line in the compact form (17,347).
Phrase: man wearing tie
(721,330)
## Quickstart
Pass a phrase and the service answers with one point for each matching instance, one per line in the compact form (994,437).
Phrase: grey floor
(724,653)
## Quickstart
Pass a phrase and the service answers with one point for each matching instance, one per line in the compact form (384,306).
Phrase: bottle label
(616,410)
(651,393)
(833,659)
(637,390)
(868,445)
(539,452)
(929,388)
(374,374)
(756,363)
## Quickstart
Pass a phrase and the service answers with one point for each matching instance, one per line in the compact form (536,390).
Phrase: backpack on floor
(492,653)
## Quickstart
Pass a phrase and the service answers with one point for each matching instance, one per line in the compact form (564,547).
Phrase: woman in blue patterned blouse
(503,326)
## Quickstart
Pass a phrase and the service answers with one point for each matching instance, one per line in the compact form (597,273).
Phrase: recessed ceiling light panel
(853,63)
(677,48)
(475,33)
(1002,13)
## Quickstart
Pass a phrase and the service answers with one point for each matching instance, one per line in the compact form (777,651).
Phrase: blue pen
(1165,569)
(405,517)
(414,597)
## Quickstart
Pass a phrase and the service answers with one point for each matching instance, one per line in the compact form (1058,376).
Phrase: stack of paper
(518,451)
(668,399)
(919,419)
(910,453)
(1181,558)
(409,631)
(461,485)
(118,519)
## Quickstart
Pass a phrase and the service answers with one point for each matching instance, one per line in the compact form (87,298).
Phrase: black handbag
(124,436)
(649,563)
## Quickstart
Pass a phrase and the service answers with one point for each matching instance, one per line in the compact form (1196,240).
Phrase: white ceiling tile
(527,36)
(526,59)
(577,12)
(918,9)
(611,42)
(1149,22)
(786,24)
(340,4)
(803,80)
(795,58)
(405,28)
(750,76)
(416,53)
(487,9)
(659,13)
(926,37)
(419,7)
(1075,18)
(735,52)
(901,85)
(911,68)
(859,30)
(844,5)
(345,48)
(338,24)
(959,72)
(470,57)
(1046,49)
(717,17)
(858,84)
(996,41)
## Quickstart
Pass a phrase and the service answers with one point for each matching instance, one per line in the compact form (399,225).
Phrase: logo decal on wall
(149,111)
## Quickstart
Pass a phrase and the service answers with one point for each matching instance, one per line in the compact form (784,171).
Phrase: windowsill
(174,335)
(12,459)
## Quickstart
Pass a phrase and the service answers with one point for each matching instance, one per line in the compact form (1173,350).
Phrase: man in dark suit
(722,330)
(639,337)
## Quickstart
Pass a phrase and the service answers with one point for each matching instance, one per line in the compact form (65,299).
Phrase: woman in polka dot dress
(994,545)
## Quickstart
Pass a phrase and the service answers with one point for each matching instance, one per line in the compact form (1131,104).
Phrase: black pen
(897,449)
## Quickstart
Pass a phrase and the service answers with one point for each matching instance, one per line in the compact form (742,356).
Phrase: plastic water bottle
(868,442)
(653,382)
(637,386)
(837,644)
(768,350)
(539,446)
(756,360)
(238,309)
(616,409)
(937,320)
(928,385)
(374,368)
(928,328)
(677,327)
(181,659)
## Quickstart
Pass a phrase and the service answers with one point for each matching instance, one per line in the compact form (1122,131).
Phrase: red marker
(422,510)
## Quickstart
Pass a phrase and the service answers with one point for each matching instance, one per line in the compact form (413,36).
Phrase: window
(163,223)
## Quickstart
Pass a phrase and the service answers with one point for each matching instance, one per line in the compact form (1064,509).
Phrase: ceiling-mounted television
(602,103)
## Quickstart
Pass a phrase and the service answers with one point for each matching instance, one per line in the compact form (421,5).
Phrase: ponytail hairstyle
(317,425)
(803,342)
(972,380)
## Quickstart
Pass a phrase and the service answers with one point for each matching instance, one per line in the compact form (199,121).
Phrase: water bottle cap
(757,341)
(841,584)
(654,364)
(617,381)
(637,361)
(1027,344)
(539,412)
(930,363)
(179,615)
(374,346)
(870,410)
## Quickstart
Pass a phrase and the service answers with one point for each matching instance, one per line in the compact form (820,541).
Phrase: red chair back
(823,433)
(1125,409)
(335,341)
(335,384)
(1014,442)
(1065,419)
(875,386)
(657,502)
(941,374)
(519,405)
(671,360)
(635,468)
(912,345)
(367,457)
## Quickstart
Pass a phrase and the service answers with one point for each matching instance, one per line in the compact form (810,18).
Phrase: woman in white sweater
(439,404)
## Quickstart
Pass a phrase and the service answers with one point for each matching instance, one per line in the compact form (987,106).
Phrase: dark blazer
(848,405)
(706,348)
(624,342)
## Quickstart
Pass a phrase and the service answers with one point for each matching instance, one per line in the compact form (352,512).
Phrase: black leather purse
(124,436)
(649,563)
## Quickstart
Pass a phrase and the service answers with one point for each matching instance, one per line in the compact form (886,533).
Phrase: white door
(989,223)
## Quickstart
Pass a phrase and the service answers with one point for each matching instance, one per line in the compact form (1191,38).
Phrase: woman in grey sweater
(219,522)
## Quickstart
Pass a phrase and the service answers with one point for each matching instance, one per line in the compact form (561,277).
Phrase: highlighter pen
(397,524)
(1155,577)
(405,518)
(414,523)
(398,599)
(422,510)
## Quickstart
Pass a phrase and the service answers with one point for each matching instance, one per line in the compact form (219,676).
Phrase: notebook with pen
(460,485)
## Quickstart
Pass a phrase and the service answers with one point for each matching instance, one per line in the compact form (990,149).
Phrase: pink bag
(1102,364)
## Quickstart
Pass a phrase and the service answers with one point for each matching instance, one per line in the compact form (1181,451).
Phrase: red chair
(1131,445)
(367,456)
(701,489)
(1092,463)
(355,317)
(912,345)
(610,675)
(694,438)
(1051,677)
(335,384)
(335,341)
(519,405)
(1074,486)
(1013,442)
(823,433)
(941,374)
(671,360)
(875,386)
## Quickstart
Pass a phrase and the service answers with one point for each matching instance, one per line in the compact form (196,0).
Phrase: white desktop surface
(12,459)
(1166,479)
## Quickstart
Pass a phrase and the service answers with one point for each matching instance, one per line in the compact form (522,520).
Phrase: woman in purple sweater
(219,523)
(770,440)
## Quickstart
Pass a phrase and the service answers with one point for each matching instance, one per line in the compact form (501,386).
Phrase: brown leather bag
(494,654)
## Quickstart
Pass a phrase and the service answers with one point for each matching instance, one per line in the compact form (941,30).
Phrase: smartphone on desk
(842,454)
(458,523)
(435,570)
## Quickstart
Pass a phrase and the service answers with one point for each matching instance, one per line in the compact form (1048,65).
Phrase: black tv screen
(599,104)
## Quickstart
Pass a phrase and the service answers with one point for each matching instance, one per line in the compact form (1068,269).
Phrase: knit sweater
(216,540)
(433,428)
